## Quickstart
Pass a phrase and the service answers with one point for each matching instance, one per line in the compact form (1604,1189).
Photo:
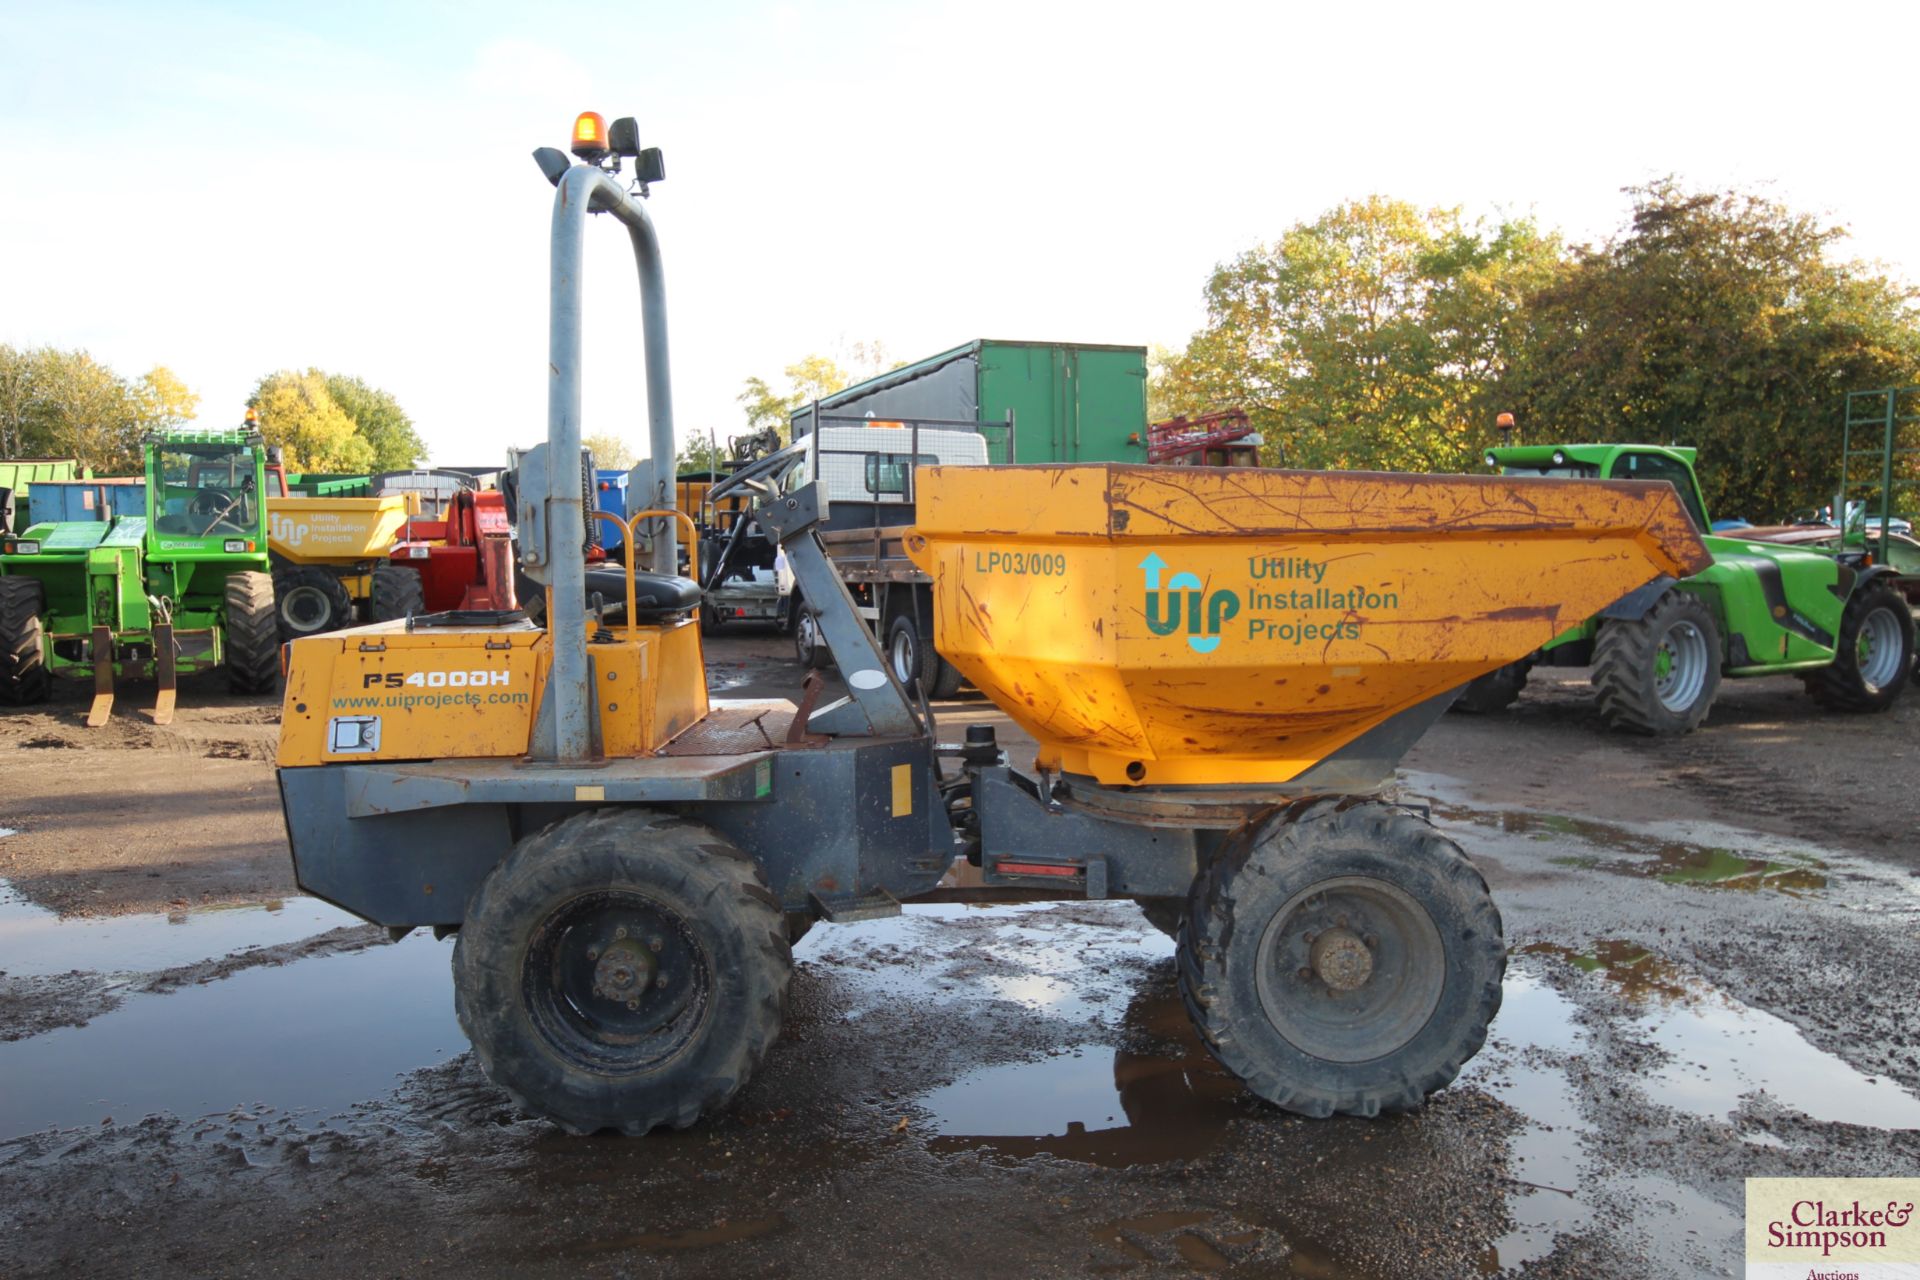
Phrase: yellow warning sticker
(589,793)
(902,790)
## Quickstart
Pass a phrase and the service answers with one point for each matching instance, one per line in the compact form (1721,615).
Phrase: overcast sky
(229,189)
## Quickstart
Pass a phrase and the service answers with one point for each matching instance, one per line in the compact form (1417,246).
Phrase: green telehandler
(1658,654)
(184,588)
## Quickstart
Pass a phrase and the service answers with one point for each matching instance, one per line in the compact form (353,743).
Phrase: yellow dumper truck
(1221,668)
(330,565)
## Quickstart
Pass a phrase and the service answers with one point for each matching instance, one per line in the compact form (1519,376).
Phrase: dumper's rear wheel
(622,970)
(1658,674)
(1494,691)
(1342,957)
(310,600)
(1873,659)
(252,640)
(395,592)
(24,678)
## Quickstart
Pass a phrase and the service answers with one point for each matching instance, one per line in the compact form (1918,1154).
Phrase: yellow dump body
(1186,625)
(337,530)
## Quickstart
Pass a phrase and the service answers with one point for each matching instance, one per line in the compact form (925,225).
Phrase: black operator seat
(659,597)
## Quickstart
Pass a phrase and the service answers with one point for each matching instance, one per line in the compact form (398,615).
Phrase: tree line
(66,404)
(1384,336)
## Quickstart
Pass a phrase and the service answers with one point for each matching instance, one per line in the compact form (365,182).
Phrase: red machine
(1211,439)
(466,560)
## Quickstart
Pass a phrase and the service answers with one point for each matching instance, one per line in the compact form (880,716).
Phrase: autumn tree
(67,404)
(335,422)
(299,414)
(770,403)
(1722,320)
(609,451)
(1372,337)
(766,409)
(380,420)
(701,453)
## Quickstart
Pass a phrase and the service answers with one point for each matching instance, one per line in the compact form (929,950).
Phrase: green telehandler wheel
(24,678)
(1874,659)
(252,633)
(1657,674)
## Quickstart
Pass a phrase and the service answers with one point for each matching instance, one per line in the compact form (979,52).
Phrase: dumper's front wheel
(622,970)
(1342,957)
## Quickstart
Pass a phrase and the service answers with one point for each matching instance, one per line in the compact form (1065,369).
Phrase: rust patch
(1524,613)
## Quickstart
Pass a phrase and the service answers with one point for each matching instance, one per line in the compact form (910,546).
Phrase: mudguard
(1637,604)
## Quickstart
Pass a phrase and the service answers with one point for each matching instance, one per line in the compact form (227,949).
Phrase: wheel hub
(1340,959)
(1351,968)
(623,972)
(616,980)
(1680,667)
(304,608)
(1879,649)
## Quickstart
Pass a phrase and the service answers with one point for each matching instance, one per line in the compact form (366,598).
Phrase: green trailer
(17,477)
(1039,401)
(1658,655)
(183,587)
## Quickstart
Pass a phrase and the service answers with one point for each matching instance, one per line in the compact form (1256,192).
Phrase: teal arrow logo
(1153,564)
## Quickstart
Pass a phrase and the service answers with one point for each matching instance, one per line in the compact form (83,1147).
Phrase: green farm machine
(1835,620)
(185,587)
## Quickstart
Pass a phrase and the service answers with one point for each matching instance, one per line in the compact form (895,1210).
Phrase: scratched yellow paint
(1180,625)
(382,692)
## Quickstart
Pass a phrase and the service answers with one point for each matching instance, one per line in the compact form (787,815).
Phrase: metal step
(845,908)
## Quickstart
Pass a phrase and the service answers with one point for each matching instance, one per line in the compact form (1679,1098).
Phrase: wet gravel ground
(270,1089)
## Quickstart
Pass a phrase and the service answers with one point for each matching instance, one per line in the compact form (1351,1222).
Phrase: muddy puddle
(35,942)
(1111,1076)
(1718,1052)
(1157,1098)
(308,1037)
(1714,1058)
(1699,854)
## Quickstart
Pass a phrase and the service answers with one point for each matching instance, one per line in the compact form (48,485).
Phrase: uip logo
(1186,602)
(286,530)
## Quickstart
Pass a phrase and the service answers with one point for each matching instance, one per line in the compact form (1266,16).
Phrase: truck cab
(867,472)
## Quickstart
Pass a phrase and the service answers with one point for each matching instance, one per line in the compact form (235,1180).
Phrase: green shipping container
(1071,402)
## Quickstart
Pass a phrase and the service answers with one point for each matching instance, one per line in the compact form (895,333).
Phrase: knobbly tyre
(623,861)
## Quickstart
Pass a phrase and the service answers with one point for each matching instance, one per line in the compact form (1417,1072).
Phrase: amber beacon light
(590,135)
